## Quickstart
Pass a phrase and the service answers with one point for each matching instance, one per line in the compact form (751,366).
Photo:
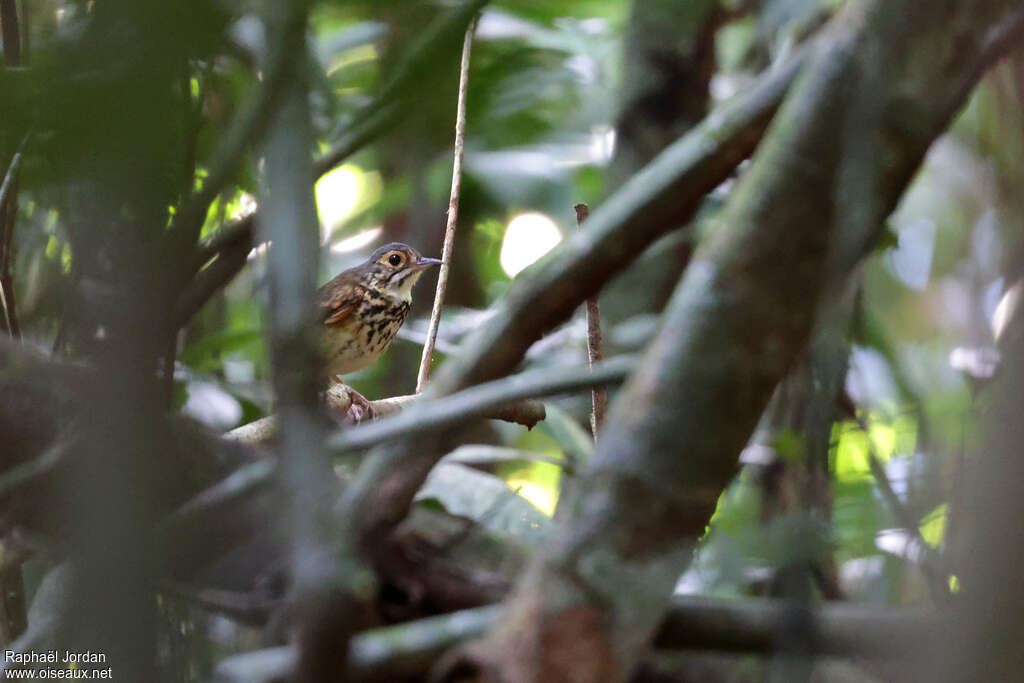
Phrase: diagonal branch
(662,196)
(234,241)
(839,155)
(338,399)
(247,125)
(665,195)
(212,279)
(433,415)
(506,399)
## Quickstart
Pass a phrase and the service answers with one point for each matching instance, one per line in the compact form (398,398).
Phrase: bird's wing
(339,301)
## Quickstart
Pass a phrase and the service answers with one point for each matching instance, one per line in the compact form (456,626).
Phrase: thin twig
(453,210)
(26,33)
(662,195)
(386,110)
(598,395)
(383,113)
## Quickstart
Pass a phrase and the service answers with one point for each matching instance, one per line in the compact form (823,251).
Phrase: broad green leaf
(485,499)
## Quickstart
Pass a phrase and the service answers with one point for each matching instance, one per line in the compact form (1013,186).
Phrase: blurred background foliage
(550,90)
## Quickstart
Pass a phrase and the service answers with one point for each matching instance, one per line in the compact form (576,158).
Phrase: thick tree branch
(11,32)
(668,60)
(663,195)
(656,201)
(982,647)
(838,156)
(12,601)
(235,235)
(749,626)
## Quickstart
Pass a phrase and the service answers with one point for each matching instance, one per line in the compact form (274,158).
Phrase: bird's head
(394,268)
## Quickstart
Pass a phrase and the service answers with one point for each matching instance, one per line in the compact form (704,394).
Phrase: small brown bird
(362,309)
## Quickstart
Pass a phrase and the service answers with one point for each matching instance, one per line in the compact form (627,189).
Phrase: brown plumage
(363,307)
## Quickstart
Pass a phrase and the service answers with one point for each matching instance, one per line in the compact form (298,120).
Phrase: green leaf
(205,354)
(485,499)
(855,519)
(559,425)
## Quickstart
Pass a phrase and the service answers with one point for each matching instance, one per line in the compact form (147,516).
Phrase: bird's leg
(360,408)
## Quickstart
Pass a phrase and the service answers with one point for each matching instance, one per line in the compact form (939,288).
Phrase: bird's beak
(425,263)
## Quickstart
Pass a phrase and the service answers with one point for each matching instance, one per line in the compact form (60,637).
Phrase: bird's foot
(359,410)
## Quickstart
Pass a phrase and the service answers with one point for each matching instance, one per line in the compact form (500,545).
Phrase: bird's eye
(395,259)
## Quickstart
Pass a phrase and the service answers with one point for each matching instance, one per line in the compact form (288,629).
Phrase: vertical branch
(13,613)
(9,27)
(13,617)
(984,645)
(598,395)
(289,223)
(453,211)
(8,210)
(26,27)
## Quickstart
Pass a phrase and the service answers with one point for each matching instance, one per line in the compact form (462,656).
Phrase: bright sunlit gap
(342,193)
(527,238)
(544,498)
(886,438)
(357,241)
